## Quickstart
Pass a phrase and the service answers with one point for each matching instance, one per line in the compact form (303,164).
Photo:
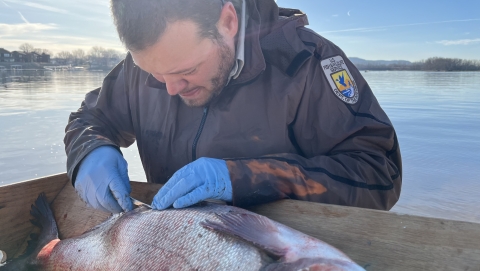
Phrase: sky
(369,29)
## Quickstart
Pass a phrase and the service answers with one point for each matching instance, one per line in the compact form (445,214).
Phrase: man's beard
(219,80)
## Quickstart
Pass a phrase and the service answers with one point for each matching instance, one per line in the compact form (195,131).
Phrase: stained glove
(102,180)
(205,178)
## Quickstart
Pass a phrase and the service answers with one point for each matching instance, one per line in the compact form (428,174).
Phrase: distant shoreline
(430,64)
(407,70)
(44,66)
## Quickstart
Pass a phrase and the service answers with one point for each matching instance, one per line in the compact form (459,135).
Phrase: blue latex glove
(102,180)
(205,178)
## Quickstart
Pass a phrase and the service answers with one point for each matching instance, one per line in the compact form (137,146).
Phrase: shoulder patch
(340,79)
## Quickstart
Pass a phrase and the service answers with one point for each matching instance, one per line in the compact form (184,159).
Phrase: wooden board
(74,217)
(381,240)
(375,239)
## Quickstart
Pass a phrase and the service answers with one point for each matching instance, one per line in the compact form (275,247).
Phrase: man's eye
(191,72)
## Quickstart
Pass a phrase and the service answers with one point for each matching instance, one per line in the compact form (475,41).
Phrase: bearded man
(233,100)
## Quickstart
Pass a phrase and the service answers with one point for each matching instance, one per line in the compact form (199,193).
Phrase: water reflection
(7,77)
(33,116)
(435,114)
(438,124)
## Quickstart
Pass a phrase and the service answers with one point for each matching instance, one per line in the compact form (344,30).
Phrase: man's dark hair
(140,23)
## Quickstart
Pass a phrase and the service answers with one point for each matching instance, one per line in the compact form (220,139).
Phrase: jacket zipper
(199,132)
(204,118)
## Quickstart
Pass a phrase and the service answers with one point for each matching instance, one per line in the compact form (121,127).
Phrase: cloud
(23,18)
(458,42)
(7,30)
(44,7)
(335,15)
(5,4)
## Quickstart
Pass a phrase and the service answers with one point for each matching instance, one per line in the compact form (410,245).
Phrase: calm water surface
(436,115)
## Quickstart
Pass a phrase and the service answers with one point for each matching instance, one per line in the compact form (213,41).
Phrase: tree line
(450,64)
(77,57)
(102,55)
(430,64)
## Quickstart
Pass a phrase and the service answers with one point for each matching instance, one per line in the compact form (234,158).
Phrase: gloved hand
(205,178)
(102,180)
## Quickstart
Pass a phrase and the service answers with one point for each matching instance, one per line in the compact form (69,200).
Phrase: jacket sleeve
(103,119)
(348,154)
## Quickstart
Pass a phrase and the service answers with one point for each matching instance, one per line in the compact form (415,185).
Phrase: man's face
(192,67)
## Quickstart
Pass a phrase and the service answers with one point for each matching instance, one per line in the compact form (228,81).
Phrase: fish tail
(44,219)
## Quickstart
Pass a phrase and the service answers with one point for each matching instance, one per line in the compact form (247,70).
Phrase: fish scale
(184,245)
(207,237)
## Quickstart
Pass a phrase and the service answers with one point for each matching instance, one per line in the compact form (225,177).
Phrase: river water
(436,116)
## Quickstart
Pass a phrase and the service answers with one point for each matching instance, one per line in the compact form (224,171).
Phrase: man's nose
(174,84)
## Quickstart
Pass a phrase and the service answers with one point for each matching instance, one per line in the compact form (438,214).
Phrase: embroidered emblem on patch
(340,79)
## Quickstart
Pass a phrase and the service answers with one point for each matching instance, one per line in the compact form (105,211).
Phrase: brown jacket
(281,127)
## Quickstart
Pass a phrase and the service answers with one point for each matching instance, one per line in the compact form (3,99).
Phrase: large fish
(208,237)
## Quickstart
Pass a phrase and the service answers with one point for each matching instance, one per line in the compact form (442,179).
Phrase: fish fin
(115,217)
(110,220)
(43,218)
(34,236)
(255,229)
(35,223)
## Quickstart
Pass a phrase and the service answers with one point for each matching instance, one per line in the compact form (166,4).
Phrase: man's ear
(228,23)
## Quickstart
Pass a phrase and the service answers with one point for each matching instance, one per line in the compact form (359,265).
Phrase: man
(231,100)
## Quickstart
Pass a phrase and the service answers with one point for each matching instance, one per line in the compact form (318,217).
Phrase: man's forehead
(181,29)
(178,50)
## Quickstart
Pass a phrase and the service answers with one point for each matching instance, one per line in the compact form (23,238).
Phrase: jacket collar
(264,17)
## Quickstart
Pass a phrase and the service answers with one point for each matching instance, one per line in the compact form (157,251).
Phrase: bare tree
(110,53)
(78,56)
(450,64)
(79,53)
(26,48)
(41,51)
(47,52)
(97,56)
(96,52)
(64,56)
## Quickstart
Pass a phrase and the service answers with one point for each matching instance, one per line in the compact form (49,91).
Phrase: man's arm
(93,137)
(103,119)
(349,152)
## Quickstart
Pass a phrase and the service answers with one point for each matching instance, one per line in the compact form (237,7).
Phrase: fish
(204,237)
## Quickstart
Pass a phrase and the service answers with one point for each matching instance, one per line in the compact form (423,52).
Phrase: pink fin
(255,229)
